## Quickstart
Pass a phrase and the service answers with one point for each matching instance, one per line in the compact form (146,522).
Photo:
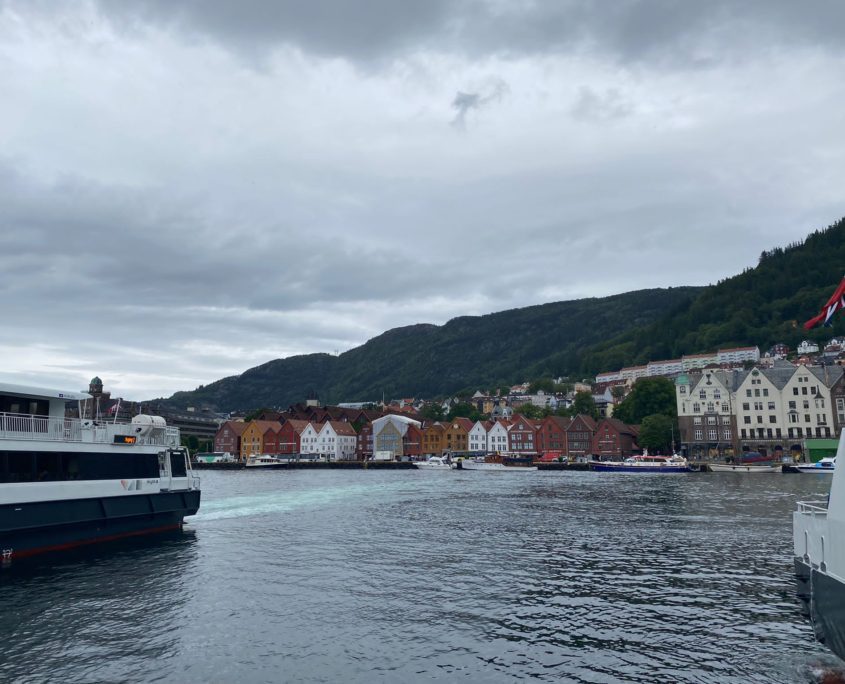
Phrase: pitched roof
(237,426)
(343,428)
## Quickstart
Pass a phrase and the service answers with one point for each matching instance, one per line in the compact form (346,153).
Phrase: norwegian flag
(834,304)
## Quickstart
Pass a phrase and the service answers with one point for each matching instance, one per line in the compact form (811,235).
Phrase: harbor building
(705,414)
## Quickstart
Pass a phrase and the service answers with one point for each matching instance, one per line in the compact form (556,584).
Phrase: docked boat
(67,482)
(818,535)
(215,458)
(745,467)
(644,464)
(435,463)
(264,461)
(825,466)
(482,465)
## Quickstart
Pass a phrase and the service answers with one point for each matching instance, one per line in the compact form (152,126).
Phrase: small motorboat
(435,463)
(826,465)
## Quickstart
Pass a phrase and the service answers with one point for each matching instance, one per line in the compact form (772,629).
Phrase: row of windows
(712,435)
(29,466)
(712,420)
(769,433)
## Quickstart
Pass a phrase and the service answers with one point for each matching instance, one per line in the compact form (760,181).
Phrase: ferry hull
(823,600)
(28,529)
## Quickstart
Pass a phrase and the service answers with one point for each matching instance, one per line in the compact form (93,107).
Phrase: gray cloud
(672,32)
(170,215)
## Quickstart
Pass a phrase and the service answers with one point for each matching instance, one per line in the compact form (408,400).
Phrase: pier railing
(26,427)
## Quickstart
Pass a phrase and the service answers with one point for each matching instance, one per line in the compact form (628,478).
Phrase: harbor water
(406,576)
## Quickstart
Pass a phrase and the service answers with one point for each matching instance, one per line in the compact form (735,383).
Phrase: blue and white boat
(644,464)
(825,466)
(67,482)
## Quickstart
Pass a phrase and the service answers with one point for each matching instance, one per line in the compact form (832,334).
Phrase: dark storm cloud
(668,30)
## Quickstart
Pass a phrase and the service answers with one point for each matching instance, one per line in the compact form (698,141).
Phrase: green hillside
(762,306)
(429,360)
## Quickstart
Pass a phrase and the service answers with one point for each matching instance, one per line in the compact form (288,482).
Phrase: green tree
(656,432)
(545,384)
(464,410)
(618,392)
(647,397)
(530,411)
(433,412)
(584,404)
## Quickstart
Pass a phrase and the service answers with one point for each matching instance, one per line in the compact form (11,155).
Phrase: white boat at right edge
(818,530)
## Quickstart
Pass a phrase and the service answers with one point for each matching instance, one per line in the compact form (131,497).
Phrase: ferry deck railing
(27,427)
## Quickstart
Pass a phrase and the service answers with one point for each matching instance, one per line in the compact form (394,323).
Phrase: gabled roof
(588,421)
(465,423)
(342,428)
(236,426)
(264,425)
(560,421)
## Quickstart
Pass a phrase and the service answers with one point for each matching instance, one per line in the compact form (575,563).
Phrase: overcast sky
(189,189)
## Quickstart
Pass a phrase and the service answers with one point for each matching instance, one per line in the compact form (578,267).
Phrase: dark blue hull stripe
(29,528)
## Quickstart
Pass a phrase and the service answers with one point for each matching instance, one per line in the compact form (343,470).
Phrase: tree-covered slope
(761,306)
(429,360)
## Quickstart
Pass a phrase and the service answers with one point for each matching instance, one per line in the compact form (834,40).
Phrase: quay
(313,465)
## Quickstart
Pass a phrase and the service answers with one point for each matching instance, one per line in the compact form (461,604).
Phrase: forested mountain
(428,360)
(762,306)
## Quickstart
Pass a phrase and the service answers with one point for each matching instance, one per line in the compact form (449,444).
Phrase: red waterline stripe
(96,540)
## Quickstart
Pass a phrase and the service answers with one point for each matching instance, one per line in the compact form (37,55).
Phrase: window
(747,420)
(769,433)
(717,394)
(758,405)
(792,405)
(795,391)
(697,420)
(777,432)
(821,419)
(771,406)
(813,390)
(702,394)
(727,435)
(696,408)
(803,390)
(711,435)
(746,406)
(748,393)
(765,392)
(759,419)
(806,417)
(793,417)
(806,404)
(757,393)
(725,407)
(711,420)
(710,407)
(742,432)
(773,419)
(698,435)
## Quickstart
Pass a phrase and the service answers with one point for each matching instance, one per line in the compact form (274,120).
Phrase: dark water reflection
(413,576)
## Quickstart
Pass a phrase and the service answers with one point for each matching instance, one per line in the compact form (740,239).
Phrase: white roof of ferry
(41,392)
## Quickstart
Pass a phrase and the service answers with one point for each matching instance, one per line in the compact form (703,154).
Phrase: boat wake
(281,501)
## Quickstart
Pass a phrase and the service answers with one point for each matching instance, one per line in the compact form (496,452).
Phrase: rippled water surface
(414,576)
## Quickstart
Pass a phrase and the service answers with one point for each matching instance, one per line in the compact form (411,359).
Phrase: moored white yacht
(435,463)
(818,532)
(66,482)
(825,466)
(264,461)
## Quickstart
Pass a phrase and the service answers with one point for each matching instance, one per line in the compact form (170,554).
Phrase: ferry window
(20,467)
(47,467)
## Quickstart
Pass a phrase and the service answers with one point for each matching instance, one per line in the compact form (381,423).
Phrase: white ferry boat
(818,531)
(68,482)
(264,461)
